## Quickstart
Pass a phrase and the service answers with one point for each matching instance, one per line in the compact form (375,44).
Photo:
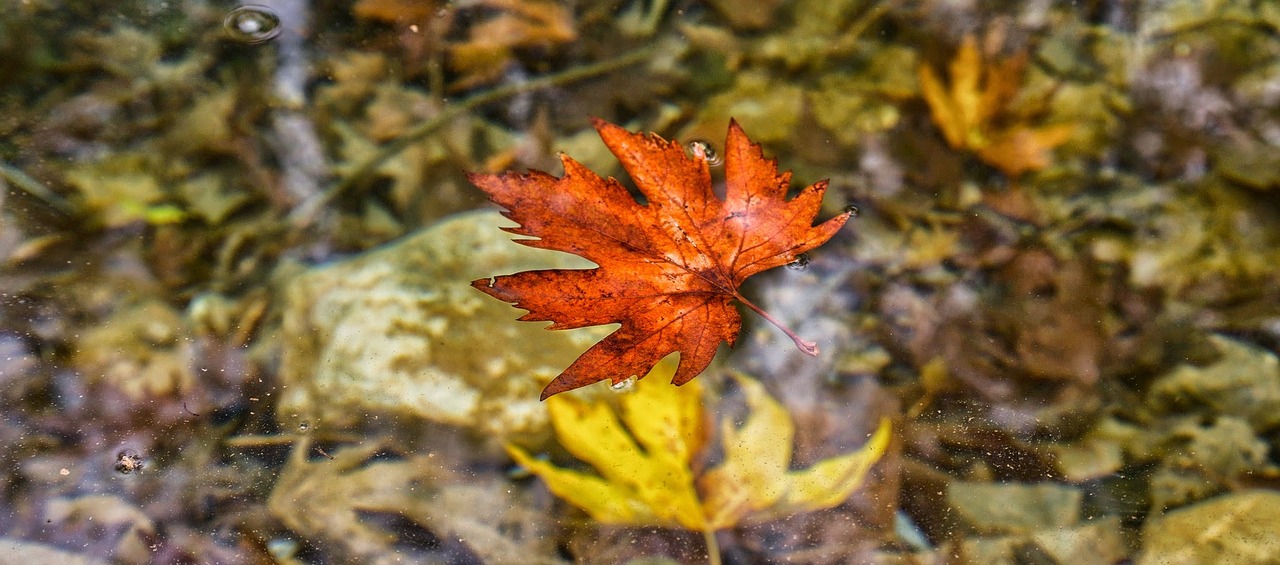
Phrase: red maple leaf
(669,269)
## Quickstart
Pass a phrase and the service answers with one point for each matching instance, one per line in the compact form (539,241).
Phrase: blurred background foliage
(1060,286)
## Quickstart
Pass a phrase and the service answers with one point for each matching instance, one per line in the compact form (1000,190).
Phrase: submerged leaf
(970,113)
(116,191)
(511,25)
(754,483)
(652,485)
(645,474)
(753,475)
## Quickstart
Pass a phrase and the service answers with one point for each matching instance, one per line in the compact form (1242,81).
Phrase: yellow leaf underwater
(644,471)
(978,98)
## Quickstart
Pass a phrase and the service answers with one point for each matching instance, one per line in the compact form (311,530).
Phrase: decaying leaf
(972,113)
(116,191)
(419,24)
(141,349)
(1233,528)
(517,24)
(330,498)
(479,36)
(407,12)
(644,451)
(670,269)
(112,516)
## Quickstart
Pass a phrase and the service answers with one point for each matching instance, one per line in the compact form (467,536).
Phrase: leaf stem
(808,347)
(713,546)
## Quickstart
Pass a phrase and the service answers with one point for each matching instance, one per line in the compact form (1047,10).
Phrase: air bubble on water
(852,210)
(699,149)
(304,426)
(252,24)
(800,263)
(626,385)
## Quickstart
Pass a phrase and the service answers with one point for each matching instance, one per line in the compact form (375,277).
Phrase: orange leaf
(1021,149)
(669,270)
(395,11)
(516,24)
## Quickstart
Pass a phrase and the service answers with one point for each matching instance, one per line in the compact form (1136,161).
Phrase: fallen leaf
(669,269)
(331,500)
(515,24)
(979,95)
(1236,527)
(643,454)
(399,12)
(108,517)
(755,483)
(116,192)
(141,349)
(420,24)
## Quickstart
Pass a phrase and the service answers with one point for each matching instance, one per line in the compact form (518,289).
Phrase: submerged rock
(399,332)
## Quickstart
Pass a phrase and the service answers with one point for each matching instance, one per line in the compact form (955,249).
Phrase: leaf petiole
(808,347)
(713,546)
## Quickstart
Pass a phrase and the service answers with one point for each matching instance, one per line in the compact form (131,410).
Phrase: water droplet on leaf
(852,210)
(800,263)
(252,24)
(700,149)
(625,385)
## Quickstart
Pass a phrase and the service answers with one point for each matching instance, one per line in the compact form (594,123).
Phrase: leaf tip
(553,388)
(478,178)
(878,442)
(602,124)
(736,133)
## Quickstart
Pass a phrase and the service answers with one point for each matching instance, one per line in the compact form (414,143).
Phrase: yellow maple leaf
(979,94)
(644,470)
